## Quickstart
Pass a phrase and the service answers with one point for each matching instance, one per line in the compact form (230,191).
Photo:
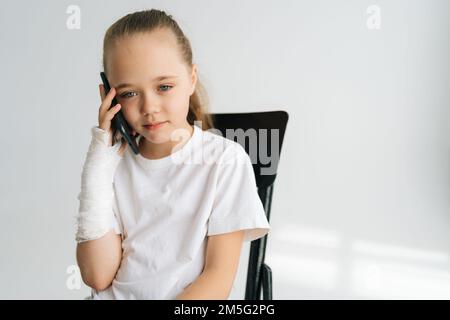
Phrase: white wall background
(361,203)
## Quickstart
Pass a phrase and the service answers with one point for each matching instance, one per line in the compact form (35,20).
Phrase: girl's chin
(156,137)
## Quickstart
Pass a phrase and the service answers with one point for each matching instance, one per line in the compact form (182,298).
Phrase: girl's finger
(106,119)
(106,103)
(102,92)
(112,112)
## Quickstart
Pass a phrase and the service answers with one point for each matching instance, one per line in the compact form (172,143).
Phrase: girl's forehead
(144,54)
(146,48)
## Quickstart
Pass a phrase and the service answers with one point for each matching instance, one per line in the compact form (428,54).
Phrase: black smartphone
(119,123)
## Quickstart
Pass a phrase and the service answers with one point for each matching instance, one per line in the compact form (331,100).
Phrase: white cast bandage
(95,213)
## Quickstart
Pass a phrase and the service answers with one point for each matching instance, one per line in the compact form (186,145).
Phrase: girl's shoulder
(223,148)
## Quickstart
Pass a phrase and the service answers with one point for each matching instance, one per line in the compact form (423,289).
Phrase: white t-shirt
(165,209)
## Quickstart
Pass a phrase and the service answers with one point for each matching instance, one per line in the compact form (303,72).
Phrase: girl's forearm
(99,260)
(210,285)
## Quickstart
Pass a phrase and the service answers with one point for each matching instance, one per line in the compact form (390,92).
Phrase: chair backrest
(264,132)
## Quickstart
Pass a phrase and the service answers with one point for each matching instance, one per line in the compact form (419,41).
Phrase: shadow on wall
(310,263)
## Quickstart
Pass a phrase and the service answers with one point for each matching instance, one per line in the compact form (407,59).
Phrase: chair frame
(259,274)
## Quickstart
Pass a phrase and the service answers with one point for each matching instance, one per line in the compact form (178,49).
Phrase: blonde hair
(152,20)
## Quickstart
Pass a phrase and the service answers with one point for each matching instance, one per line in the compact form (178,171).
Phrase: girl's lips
(156,126)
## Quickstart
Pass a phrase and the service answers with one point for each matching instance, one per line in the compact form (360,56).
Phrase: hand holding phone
(118,121)
(105,114)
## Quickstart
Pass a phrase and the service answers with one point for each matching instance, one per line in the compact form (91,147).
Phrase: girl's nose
(150,105)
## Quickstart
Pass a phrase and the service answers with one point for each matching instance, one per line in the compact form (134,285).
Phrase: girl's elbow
(98,283)
(100,286)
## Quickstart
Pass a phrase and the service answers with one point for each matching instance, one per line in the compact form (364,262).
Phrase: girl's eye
(126,95)
(166,86)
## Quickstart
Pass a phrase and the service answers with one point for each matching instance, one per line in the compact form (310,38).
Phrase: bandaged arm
(99,249)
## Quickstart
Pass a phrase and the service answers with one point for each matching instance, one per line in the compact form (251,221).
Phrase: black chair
(259,275)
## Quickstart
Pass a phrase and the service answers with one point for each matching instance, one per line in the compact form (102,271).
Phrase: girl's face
(137,67)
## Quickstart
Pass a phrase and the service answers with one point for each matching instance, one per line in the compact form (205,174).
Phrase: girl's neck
(154,151)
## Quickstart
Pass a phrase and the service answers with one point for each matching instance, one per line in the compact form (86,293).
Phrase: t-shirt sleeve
(237,205)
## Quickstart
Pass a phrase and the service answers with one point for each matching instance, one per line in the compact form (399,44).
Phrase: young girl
(169,222)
